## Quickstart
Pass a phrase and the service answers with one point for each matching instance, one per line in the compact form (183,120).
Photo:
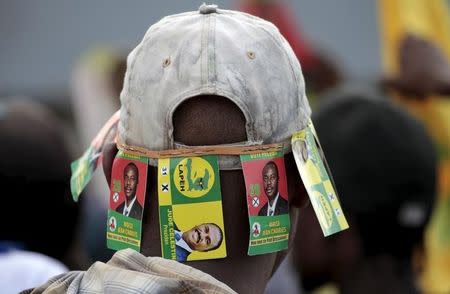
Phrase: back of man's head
(222,123)
(215,77)
(37,213)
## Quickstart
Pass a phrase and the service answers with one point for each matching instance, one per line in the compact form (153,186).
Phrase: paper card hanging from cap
(190,209)
(267,202)
(317,179)
(126,201)
(84,167)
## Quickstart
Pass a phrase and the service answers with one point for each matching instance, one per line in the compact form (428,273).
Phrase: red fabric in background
(279,14)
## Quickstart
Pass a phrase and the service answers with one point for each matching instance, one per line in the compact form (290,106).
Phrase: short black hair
(35,174)
(384,166)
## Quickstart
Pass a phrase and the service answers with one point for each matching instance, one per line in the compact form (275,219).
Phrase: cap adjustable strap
(200,150)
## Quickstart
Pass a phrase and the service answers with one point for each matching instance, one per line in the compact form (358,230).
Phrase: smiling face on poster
(190,208)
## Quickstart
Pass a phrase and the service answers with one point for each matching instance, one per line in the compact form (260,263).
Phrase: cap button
(207,8)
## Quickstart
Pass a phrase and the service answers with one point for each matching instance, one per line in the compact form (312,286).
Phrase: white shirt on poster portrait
(271,208)
(127,209)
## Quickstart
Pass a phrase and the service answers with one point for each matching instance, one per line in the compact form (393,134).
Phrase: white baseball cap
(212,52)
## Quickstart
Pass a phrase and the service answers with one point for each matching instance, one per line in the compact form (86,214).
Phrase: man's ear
(109,153)
(298,197)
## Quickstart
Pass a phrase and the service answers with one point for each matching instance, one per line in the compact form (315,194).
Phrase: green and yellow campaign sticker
(84,167)
(126,201)
(267,202)
(194,177)
(190,208)
(317,180)
(83,170)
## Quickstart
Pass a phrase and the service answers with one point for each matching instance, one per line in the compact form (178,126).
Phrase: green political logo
(194,177)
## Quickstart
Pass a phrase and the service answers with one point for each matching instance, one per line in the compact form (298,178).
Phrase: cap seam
(202,41)
(208,63)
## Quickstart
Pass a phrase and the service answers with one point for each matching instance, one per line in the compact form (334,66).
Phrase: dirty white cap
(212,52)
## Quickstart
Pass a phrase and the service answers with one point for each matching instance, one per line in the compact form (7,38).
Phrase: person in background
(384,167)
(415,38)
(39,220)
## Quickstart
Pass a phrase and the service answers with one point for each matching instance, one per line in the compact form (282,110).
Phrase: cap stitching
(208,63)
(201,50)
(214,52)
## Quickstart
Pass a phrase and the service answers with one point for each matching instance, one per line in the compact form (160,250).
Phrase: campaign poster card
(84,167)
(126,201)
(317,179)
(190,209)
(267,202)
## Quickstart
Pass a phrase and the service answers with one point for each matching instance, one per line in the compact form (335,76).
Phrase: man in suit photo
(277,204)
(130,207)
(204,237)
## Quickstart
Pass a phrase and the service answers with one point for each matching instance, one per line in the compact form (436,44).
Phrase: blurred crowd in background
(378,79)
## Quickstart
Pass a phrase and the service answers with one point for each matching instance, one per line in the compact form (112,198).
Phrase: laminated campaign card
(84,167)
(126,201)
(267,202)
(190,208)
(317,179)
